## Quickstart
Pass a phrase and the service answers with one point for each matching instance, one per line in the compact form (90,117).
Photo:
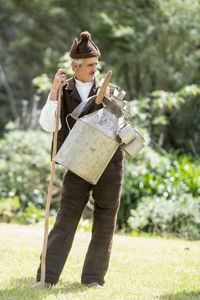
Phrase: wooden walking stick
(49,196)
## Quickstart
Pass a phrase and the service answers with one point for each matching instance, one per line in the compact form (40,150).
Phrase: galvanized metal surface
(104,121)
(127,134)
(135,146)
(81,107)
(87,151)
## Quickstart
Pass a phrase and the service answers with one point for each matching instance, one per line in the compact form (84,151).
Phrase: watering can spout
(102,90)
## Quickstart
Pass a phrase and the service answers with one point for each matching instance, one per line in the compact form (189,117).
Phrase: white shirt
(83,88)
(48,113)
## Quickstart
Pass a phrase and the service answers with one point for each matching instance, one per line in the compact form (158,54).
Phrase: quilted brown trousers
(75,195)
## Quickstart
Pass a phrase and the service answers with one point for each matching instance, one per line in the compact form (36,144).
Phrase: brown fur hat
(84,48)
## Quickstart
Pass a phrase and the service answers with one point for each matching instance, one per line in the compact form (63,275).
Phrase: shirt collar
(83,84)
(71,84)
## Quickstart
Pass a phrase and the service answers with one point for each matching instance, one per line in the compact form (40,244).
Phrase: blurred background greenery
(153,49)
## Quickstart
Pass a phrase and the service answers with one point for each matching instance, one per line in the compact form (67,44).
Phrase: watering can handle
(103,88)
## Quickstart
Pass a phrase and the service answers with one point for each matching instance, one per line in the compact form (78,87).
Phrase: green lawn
(140,268)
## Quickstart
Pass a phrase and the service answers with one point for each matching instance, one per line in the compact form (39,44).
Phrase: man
(75,193)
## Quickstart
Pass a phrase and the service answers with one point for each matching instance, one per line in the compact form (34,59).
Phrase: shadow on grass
(181,296)
(21,289)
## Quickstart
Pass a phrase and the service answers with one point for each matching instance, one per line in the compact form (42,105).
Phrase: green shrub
(30,215)
(151,174)
(159,215)
(25,173)
(25,169)
(8,208)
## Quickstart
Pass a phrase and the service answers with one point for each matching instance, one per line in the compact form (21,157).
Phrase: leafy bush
(158,215)
(153,176)
(25,174)
(25,169)
(30,215)
(8,208)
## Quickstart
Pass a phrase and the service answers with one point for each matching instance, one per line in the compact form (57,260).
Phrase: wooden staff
(49,196)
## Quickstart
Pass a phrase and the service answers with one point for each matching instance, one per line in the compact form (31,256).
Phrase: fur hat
(84,48)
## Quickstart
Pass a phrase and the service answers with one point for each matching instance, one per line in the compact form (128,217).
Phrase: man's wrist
(53,95)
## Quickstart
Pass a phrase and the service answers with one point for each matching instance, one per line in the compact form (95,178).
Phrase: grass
(140,268)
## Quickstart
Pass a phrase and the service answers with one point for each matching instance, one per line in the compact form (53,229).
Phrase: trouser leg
(74,197)
(106,195)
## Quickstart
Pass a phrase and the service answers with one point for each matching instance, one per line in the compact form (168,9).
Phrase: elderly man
(76,191)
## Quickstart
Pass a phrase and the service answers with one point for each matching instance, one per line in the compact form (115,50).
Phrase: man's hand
(59,78)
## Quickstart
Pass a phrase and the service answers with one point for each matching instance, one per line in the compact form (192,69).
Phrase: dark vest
(70,100)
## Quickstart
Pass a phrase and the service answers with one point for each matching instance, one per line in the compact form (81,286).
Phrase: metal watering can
(94,138)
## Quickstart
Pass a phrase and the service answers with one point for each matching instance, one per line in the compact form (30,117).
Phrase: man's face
(87,71)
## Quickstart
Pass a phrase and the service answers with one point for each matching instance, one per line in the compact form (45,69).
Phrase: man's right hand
(59,78)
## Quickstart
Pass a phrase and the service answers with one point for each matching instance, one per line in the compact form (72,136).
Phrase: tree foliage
(149,44)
